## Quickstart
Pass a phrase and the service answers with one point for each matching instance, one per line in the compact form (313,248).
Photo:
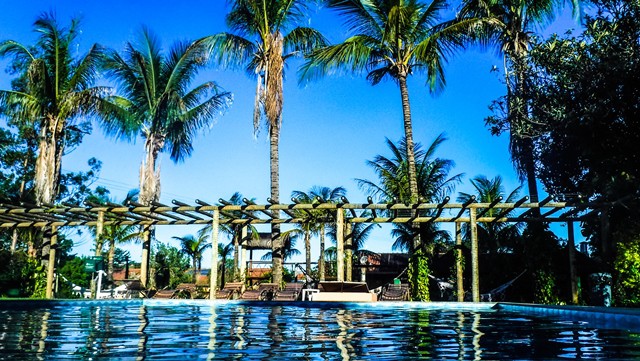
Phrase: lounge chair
(230,291)
(264,292)
(187,290)
(165,294)
(291,292)
(395,292)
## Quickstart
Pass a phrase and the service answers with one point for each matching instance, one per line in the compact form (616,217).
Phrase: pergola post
(340,245)
(146,250)
(475,270)
(459,269)
(214,254)
(243,256)
(52,262)
(99,230)
(571,245)
(348,254)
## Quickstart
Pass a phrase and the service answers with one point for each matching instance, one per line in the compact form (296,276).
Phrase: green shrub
(627,274)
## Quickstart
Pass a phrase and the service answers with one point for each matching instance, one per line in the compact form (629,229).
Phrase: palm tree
(224,252)
(434,184)
(157,103)
(509,25)
(316,219)
(394,39)
(115,234)
(233,230)
(493,236)
(194,247)
(262,45)
(52,93)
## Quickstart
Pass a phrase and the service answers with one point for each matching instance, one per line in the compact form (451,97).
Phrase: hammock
(499,291)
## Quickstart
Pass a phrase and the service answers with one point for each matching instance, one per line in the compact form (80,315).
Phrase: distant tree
(172,262)
(492,236)
(194,247)
(266,36)
(316,219)
(223,253)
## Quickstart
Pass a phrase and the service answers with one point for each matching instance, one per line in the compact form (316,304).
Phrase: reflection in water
(142,335)
(263,331)
(477,334)
(212,333)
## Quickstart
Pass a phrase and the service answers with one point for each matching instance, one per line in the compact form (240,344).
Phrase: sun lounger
(291,292)
(230,291)
(165,294)
(264,292)
(187,290)
(395,292)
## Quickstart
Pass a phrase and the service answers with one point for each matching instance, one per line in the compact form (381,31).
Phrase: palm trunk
(47,172)
(195,269)
(112,254)
(411,159)
(321,263)
(273,100)
(149,192)
(236,253)
(276,239)
(307,250)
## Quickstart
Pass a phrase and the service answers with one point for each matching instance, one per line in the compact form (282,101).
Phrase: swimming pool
(185,330)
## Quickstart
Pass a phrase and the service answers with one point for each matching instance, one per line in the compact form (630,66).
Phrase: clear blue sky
(330,126)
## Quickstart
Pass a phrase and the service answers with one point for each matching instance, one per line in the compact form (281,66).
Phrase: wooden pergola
(343,214)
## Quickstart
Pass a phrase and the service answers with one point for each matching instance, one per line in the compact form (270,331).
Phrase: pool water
(166,330)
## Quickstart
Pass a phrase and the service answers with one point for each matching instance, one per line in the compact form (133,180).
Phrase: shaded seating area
(230,291)
(291,292)
(264,292)
(395,292)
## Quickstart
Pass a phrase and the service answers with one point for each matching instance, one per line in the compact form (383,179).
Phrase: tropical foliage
(194,247)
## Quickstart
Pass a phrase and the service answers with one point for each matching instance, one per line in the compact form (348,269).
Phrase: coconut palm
(393,39)
(434,184)
(509,25)
(234,231)
(492,236)
(316,219)
(194,247)
(157,102)
(266,36)
(434,181)
(223,253)
(53,93)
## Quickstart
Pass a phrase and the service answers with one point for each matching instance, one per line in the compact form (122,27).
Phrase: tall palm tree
(509,25)
(266,36)
(53,92)
(316,219)
(223,253)
(493,236)
(157,102)
(434,184)
(194,247)
(393,39)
